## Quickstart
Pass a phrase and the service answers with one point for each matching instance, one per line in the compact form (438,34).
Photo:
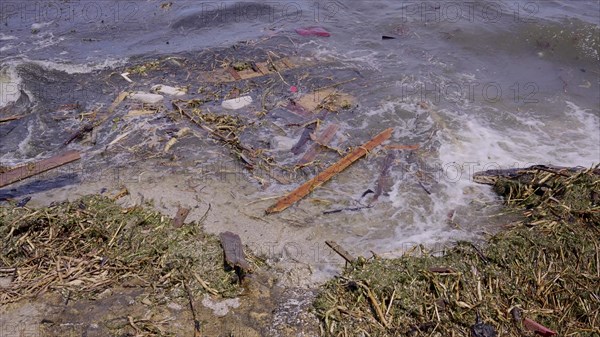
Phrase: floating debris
(237,103)
(329,172)
(168,90)
(146,97)
(92,244)
(309,31)
(125,75)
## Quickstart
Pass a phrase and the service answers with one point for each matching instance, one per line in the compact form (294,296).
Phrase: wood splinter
(179,219)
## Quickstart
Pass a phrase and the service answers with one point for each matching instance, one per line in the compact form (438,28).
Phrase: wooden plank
(263,67)
(32,169)
(234,74)
(331,171)
(234,251)
(341,251)
(322,140)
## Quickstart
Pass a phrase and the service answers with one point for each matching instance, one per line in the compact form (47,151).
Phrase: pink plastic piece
(308,31)
(538,328)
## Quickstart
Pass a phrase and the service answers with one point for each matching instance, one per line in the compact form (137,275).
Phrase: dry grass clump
(546,266)
(83,247)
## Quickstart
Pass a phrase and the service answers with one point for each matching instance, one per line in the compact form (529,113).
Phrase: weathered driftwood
(234,251)
(332,170)
(32,169)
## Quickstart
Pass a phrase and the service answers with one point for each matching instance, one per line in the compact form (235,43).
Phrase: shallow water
(506,84)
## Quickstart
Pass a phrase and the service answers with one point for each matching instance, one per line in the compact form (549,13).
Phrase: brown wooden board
(331,171)
(31,169)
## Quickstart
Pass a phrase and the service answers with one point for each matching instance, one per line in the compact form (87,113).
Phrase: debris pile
(539,277)
(84,247)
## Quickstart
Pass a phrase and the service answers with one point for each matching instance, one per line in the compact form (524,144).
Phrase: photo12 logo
(30,12)
(467,11)
(456,92)
(269,11)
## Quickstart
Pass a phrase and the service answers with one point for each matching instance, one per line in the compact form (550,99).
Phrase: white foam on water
(4,37)
(473,142)
(79,68)
(46,40)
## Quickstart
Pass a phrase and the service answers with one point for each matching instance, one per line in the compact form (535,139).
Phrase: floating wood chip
(262,68)
(117,101)
(179,219)
(322,140)
(341,251)
(31,169)
(234,251)
(332,170)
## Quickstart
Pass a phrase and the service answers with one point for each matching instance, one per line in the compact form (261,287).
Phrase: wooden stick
(11,118)
(197,326)
(29,170)
(332,170)
(374,303)
(341,251)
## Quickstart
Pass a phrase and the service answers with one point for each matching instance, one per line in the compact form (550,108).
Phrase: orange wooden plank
(329,172)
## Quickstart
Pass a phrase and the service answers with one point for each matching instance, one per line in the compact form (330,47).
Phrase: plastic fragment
(309,31)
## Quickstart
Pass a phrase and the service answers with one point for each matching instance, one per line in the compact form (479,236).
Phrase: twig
(197,332)
(374,303)
(352,209)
